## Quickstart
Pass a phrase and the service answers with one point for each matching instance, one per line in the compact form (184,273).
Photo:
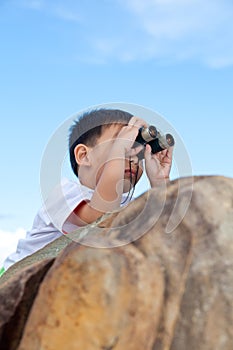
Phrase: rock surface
(172,288)
(17,298)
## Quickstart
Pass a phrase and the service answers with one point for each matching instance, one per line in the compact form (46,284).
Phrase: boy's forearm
(158,182)
(109,189)
(106,197)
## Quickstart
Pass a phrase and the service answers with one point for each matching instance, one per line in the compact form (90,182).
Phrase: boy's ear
(81,153)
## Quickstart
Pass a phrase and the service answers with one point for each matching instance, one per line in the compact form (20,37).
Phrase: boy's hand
(128,134)
(158,165)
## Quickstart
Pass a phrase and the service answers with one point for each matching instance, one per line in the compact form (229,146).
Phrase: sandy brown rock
(206,306)
(96,299)
(169,289)
(197,258)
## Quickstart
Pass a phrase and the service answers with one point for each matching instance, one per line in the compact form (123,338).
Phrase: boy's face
(100,154)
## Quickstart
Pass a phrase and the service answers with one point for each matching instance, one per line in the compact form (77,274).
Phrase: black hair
(90,126)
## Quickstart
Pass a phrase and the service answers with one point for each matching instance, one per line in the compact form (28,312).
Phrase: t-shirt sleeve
(63,200)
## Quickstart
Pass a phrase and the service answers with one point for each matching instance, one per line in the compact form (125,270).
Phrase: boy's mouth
(131,172)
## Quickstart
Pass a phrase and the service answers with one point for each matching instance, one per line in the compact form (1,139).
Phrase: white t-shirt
(51,220)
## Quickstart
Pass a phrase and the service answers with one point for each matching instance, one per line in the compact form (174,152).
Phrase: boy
(105,159)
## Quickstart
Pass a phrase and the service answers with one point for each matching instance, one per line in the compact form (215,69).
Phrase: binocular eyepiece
(154,138)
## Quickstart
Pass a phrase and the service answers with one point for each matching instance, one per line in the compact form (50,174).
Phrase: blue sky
(174,57)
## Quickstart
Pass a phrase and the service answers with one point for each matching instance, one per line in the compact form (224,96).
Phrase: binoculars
(154,138)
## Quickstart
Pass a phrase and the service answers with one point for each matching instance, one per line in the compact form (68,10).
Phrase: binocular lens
(170,140)
(152,131)
(147,134)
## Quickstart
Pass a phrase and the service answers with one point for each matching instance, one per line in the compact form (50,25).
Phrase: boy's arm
(109,189)
(108,192)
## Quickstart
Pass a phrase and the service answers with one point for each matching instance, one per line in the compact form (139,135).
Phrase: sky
(172,57)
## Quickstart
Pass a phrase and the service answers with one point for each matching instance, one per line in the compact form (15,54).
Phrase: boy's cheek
(141,167)
(140,172)
(141,164)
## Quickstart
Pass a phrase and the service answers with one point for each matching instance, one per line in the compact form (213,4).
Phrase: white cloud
(65,11)
(184,30)
(9,241)
(171,31)
(136,30)
(33,4)
(66,14)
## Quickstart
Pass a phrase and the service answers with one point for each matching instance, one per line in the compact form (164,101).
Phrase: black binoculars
(154,138)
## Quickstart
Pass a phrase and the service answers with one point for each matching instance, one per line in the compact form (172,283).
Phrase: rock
(96,299)
(16,300)
(169,288)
